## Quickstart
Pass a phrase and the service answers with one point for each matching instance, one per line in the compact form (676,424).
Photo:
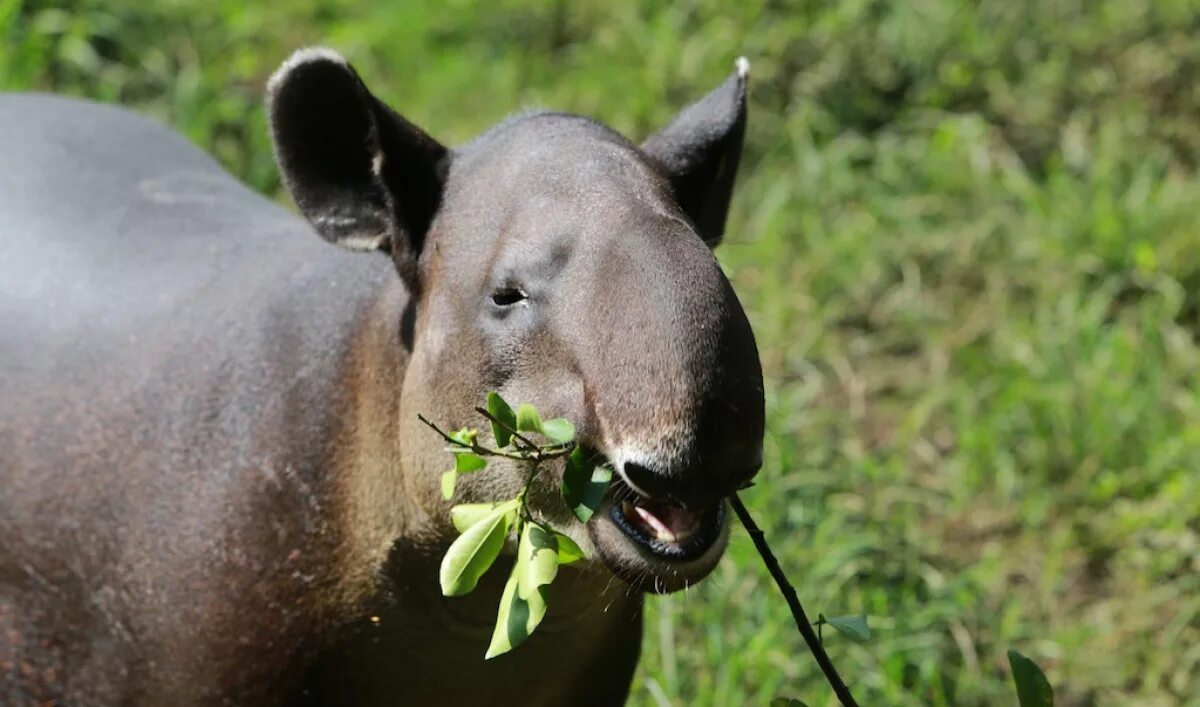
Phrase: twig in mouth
(516,435)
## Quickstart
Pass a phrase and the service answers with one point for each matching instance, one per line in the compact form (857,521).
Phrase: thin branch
(437,429)
(789,594)
(523,510)
(475,447)
(533,447)
(534,457)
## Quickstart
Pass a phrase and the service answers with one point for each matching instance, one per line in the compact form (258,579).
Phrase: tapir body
(213,489)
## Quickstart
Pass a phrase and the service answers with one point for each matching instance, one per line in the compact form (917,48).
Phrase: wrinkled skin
(213,485)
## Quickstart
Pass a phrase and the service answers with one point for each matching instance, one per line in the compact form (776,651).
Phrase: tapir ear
(365,177)
(699,152)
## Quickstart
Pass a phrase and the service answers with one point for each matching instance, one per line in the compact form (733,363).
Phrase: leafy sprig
(485,527)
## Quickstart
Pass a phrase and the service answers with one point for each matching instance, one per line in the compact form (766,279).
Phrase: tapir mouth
(655,544)
(667,530)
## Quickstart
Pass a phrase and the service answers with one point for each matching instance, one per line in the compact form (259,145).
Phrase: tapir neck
(375,510)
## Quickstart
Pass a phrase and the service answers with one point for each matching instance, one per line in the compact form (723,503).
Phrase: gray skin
(213,486)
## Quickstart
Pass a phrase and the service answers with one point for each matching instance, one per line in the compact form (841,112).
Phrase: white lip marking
(621,456)
(640,491)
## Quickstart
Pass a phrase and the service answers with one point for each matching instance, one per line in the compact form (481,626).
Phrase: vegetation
(484,527)
(966,235)
(540,550)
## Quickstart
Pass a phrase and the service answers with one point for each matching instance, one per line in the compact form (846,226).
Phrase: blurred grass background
(968,237)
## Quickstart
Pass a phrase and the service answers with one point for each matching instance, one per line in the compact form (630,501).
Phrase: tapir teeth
(659,524)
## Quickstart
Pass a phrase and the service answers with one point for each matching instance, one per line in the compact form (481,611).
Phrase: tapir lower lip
(647,563)
(694,546)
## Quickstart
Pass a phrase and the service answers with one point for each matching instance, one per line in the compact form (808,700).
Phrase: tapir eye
(508,296)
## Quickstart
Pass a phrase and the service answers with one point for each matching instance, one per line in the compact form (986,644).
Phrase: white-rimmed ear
(365,177)
(699,152)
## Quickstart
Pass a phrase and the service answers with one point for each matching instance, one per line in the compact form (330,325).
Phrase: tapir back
(170,352)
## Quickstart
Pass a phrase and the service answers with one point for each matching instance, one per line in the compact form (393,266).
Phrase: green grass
(968,237)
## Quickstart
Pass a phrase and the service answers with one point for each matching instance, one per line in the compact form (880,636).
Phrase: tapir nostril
(648,482)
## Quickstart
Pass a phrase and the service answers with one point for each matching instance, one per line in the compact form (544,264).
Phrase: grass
(966,235)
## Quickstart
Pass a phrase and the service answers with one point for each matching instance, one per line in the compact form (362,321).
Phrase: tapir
(214,485)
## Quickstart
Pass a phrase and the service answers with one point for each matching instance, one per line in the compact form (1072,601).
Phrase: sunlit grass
(966,235)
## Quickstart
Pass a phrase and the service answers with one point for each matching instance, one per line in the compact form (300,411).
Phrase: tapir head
(558,263)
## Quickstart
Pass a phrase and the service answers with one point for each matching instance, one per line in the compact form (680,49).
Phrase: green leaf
(513,612)
(1033,689)
(584,484)
(473,553)
(568,550)
(537,559)
(536,601)
(559,430)
(448,480)
(466,462)
(465,436)
(853,626)
(465,515)
(528,419)
(516,619)
(501,410)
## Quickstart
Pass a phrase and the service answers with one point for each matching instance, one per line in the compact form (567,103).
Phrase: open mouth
(665,529)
